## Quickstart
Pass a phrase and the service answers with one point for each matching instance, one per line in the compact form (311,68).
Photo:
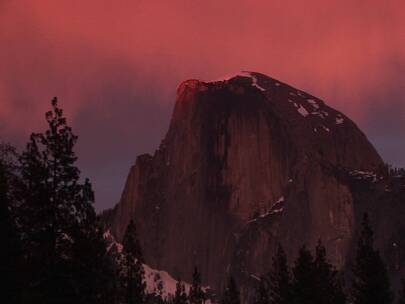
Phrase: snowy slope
(157,281)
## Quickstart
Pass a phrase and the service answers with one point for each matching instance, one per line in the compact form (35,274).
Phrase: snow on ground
(112,243)
(161,282)
(157,281)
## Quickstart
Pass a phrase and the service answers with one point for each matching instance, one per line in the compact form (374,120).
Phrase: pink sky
(115,66)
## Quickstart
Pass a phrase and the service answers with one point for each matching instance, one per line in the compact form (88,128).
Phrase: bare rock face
(247,162)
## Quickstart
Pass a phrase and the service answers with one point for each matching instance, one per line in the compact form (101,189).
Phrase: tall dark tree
(180,296)
(93,269)
(279,279)
(58,220)
(329,284)
(371,283)
(315,280)
(133,277)
(196,294)
(231,293)
(304,281)
(11,261)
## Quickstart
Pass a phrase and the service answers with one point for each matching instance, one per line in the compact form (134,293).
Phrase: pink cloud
(128,57)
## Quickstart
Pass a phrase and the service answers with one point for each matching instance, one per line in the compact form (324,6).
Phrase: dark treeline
(312,279)
(388,170)
(53,244)
(54,249)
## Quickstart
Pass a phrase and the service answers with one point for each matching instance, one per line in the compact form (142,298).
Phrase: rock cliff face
(247,162)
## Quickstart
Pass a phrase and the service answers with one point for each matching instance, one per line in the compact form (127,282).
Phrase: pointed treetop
(131,242)
(231,293)
(371,282)
(320,252)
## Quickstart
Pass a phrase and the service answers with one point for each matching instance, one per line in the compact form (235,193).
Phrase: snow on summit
(242,74)
(305,105)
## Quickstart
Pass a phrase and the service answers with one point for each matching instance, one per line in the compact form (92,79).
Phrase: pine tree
(11,261)
(329,286)
(315,280)
(304,282)
(279,279)
(133,278)
(261,292)
(93,268)
(37,216)
(371,283)
(196,294)
(180,296)
(231,293)
(58,221)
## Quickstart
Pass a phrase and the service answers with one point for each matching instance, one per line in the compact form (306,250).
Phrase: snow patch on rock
(313,103)
(302,111)
(325,128)
(339,120)
(366,175)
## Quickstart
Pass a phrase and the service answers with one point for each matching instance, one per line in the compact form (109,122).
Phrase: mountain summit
(247,162)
